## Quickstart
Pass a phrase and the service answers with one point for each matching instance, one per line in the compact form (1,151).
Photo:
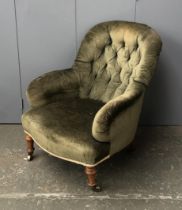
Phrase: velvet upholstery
(114,65)
(64,127)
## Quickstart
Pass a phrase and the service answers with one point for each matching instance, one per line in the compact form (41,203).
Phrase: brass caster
(96,188)
(29,158)
(30,147)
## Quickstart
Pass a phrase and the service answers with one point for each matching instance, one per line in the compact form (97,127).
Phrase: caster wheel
(96,188)
(29,158)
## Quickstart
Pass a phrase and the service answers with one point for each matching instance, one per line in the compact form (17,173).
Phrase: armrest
(109,112)
(43,88)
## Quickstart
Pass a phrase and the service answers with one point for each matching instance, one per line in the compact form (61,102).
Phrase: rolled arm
(41,89)
(109,112)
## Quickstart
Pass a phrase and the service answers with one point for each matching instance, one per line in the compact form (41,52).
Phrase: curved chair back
(113,55)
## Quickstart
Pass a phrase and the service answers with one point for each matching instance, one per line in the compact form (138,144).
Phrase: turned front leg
(91,177)
(30,146)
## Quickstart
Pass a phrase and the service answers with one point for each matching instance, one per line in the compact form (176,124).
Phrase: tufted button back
(113,55)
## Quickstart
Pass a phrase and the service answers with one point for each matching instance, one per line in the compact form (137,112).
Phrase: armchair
(88,113)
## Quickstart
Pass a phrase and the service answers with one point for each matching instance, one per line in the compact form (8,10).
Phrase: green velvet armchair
(89,112)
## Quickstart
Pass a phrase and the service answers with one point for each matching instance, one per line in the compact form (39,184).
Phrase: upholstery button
(122,44)
(116,55)
(136,46)
(109,42)
(109,80)
(91,63)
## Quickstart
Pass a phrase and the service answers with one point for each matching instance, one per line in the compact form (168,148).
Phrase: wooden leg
(91,176)
(30,147)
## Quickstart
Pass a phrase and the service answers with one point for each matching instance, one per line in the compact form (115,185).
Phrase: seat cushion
(63,128)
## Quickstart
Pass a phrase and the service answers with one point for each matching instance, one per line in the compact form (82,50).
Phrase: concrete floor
(148,178)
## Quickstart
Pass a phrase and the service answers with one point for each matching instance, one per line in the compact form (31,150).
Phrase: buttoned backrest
(113,55)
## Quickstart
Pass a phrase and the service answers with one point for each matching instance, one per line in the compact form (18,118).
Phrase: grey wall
(47,39)
(49,34)
(163,102)
(10,97)
(88,13)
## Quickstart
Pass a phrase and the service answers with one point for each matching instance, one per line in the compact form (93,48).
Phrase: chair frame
(90,171)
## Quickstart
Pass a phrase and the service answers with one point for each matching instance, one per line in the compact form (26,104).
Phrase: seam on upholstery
(143,83)
(81,61)
(67,159)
